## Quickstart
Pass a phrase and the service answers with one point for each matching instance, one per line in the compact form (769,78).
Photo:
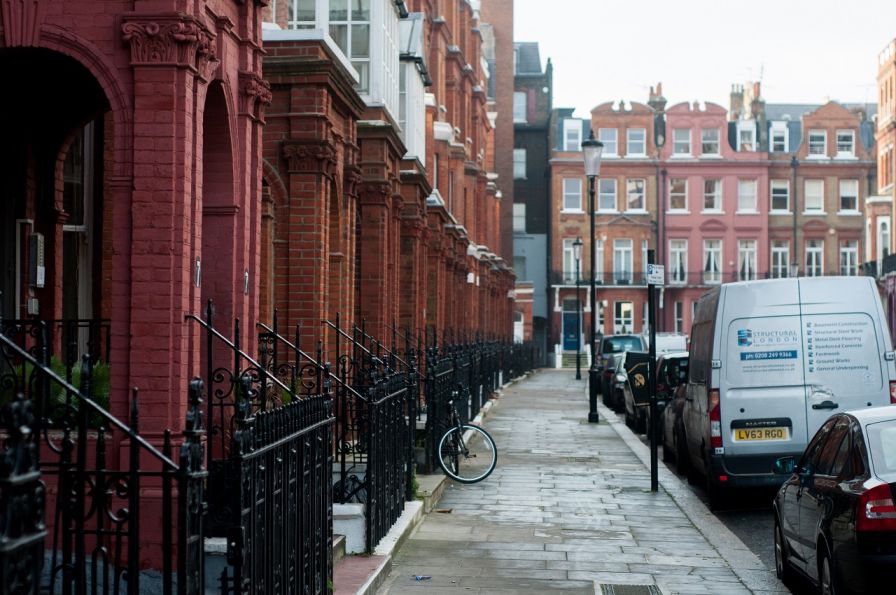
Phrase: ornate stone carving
(256,94)
(21,22)
(171,39)
(305,157)
(351,177)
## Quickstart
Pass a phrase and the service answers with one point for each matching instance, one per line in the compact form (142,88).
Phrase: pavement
(569,509)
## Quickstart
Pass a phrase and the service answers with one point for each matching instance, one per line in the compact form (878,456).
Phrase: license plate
(745,435)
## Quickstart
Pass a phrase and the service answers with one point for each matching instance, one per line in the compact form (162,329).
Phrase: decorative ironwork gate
(70,500)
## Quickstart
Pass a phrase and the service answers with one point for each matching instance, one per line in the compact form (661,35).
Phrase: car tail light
(876,510)
(893,392)
(715,419)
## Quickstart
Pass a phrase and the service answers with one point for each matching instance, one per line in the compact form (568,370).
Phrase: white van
(769,362)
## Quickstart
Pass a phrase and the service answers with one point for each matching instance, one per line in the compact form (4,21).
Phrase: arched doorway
(219,209)
(55,207)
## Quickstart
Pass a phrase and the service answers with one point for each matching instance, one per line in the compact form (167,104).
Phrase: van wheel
(716,492)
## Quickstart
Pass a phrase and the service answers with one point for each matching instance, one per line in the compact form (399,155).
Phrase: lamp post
(592,150)
(577,252)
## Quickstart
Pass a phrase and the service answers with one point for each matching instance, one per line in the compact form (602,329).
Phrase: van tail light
(715,419)
(893,392)
(876,510)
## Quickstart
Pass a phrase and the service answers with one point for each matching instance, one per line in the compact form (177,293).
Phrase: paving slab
(567,508)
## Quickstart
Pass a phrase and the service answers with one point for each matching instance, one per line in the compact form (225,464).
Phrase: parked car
(607,380)
(835,516)
(769,362)
(633,406)
(620,382)
(610,344)
(671,372)
(668,342)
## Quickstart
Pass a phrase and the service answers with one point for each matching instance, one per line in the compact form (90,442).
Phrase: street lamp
(592,150)
(577,252)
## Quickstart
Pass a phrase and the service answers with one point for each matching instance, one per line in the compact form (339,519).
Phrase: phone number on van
(765,355)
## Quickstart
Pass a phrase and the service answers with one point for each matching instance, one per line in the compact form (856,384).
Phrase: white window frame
(572,134)
(780,259)
(672,209)
(628,195)
(623,261)
(815,195)
(704,142)
(851,152)
(778,130)
(520,107)
(747,257)
(814,257)
(678,261)
(747,196)
(816,150)
(717,195)
(849,258)
(620,318)
(598,261)
(602,195)
(746,128)
(681,142)
(883,237)
(569,261)
(678,316)
(848,188)
(779,185)
(519,217)
(519,164)
(572,195)
(645,248)
(610,138)
(712,265)
(629,142)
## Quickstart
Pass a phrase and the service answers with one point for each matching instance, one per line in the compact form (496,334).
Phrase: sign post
(656,276)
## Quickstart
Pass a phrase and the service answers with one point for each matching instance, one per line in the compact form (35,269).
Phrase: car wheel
(628,419)
(640,423)
(682,457)
(782,562)
(667,452)
(827,580)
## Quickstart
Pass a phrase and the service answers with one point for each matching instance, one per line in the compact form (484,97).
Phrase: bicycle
(459,444)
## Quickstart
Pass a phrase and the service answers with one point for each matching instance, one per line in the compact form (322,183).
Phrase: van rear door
(762,393)
(842,333)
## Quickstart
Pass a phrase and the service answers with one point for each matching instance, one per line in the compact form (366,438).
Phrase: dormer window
(746,136)
(572,135)
(818,140)
(779,137)
(846,143)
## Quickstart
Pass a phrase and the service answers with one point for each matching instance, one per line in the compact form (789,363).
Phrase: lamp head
(592,150)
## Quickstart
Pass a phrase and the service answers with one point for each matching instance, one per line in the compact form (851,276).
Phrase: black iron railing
(269,463)
(73,481)
(375,405)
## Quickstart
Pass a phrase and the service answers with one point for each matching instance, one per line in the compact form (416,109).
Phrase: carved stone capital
(174,40)
(21,22)
(255,94)
(305,157)
(376,192)
(351,177)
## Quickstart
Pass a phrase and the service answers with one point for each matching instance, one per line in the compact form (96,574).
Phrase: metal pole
(592,372)
(651,378)
(578,321)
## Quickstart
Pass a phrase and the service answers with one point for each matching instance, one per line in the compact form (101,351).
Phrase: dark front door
(570,331)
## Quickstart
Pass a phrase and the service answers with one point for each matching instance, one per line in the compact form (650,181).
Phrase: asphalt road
(749,516)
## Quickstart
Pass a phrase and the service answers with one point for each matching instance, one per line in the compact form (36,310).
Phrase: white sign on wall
(656,274)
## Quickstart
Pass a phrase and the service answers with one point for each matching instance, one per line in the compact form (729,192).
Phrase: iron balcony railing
(622,277)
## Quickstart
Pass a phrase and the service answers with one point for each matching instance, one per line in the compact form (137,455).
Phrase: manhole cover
(627,590)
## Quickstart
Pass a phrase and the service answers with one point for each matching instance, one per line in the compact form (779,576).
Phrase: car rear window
(620,344)
(882,444)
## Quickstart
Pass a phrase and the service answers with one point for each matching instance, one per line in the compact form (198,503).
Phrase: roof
(528,59)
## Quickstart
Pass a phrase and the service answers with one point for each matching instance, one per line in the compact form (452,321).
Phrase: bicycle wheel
(467,461)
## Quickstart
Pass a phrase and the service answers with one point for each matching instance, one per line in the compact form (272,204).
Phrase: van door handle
(825,405)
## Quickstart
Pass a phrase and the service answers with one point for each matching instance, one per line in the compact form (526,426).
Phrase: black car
(835,516)
(611,344)
(671,372)
(608,380)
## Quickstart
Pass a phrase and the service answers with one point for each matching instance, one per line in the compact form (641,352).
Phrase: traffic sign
(656,274)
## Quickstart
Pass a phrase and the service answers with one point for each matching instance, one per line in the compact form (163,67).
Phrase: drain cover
(627,590)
